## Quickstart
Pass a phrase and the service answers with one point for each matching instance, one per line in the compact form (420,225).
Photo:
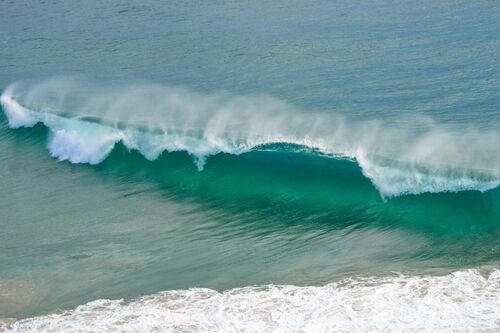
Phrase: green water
(164,146)
(129,227)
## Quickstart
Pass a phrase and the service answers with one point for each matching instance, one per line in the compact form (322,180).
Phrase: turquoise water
(348,148)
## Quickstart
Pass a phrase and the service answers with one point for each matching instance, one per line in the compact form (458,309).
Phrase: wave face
(458,302)
(86,121)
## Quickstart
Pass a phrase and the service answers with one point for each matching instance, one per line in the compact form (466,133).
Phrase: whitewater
(462,301)
(86,120)
(263,166)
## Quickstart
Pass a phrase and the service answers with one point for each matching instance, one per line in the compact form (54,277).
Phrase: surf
(86,120)
(463,299)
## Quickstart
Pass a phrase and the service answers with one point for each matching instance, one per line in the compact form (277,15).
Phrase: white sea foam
(464,301)
(393,179)
(86,121)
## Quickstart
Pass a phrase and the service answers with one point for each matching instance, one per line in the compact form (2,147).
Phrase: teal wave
(274,199)
(158,119)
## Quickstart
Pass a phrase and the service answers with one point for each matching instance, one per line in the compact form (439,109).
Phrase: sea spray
(86,121)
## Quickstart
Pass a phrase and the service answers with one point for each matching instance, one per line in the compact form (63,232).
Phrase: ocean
(236,166)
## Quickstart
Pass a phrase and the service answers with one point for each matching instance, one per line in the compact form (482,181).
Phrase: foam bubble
(78,148)
(463,301)
(17,115)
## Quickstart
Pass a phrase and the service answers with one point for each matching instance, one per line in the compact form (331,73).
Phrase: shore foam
(463,301)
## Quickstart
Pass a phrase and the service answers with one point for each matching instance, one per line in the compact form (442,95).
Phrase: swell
(85,123)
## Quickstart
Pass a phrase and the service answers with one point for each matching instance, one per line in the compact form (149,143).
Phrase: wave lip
(153,119)
(460,302)
(392,178)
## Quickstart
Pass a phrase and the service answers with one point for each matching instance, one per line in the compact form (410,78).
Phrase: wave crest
(86,121)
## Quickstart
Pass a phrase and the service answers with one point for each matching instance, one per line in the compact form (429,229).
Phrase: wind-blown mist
(86,120)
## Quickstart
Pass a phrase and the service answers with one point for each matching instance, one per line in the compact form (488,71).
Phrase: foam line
(463,301)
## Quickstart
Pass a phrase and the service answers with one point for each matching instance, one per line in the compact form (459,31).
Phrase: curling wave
(459,302)
(86,121)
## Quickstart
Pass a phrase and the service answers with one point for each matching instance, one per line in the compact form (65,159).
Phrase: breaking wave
(458,302)
(87,120)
